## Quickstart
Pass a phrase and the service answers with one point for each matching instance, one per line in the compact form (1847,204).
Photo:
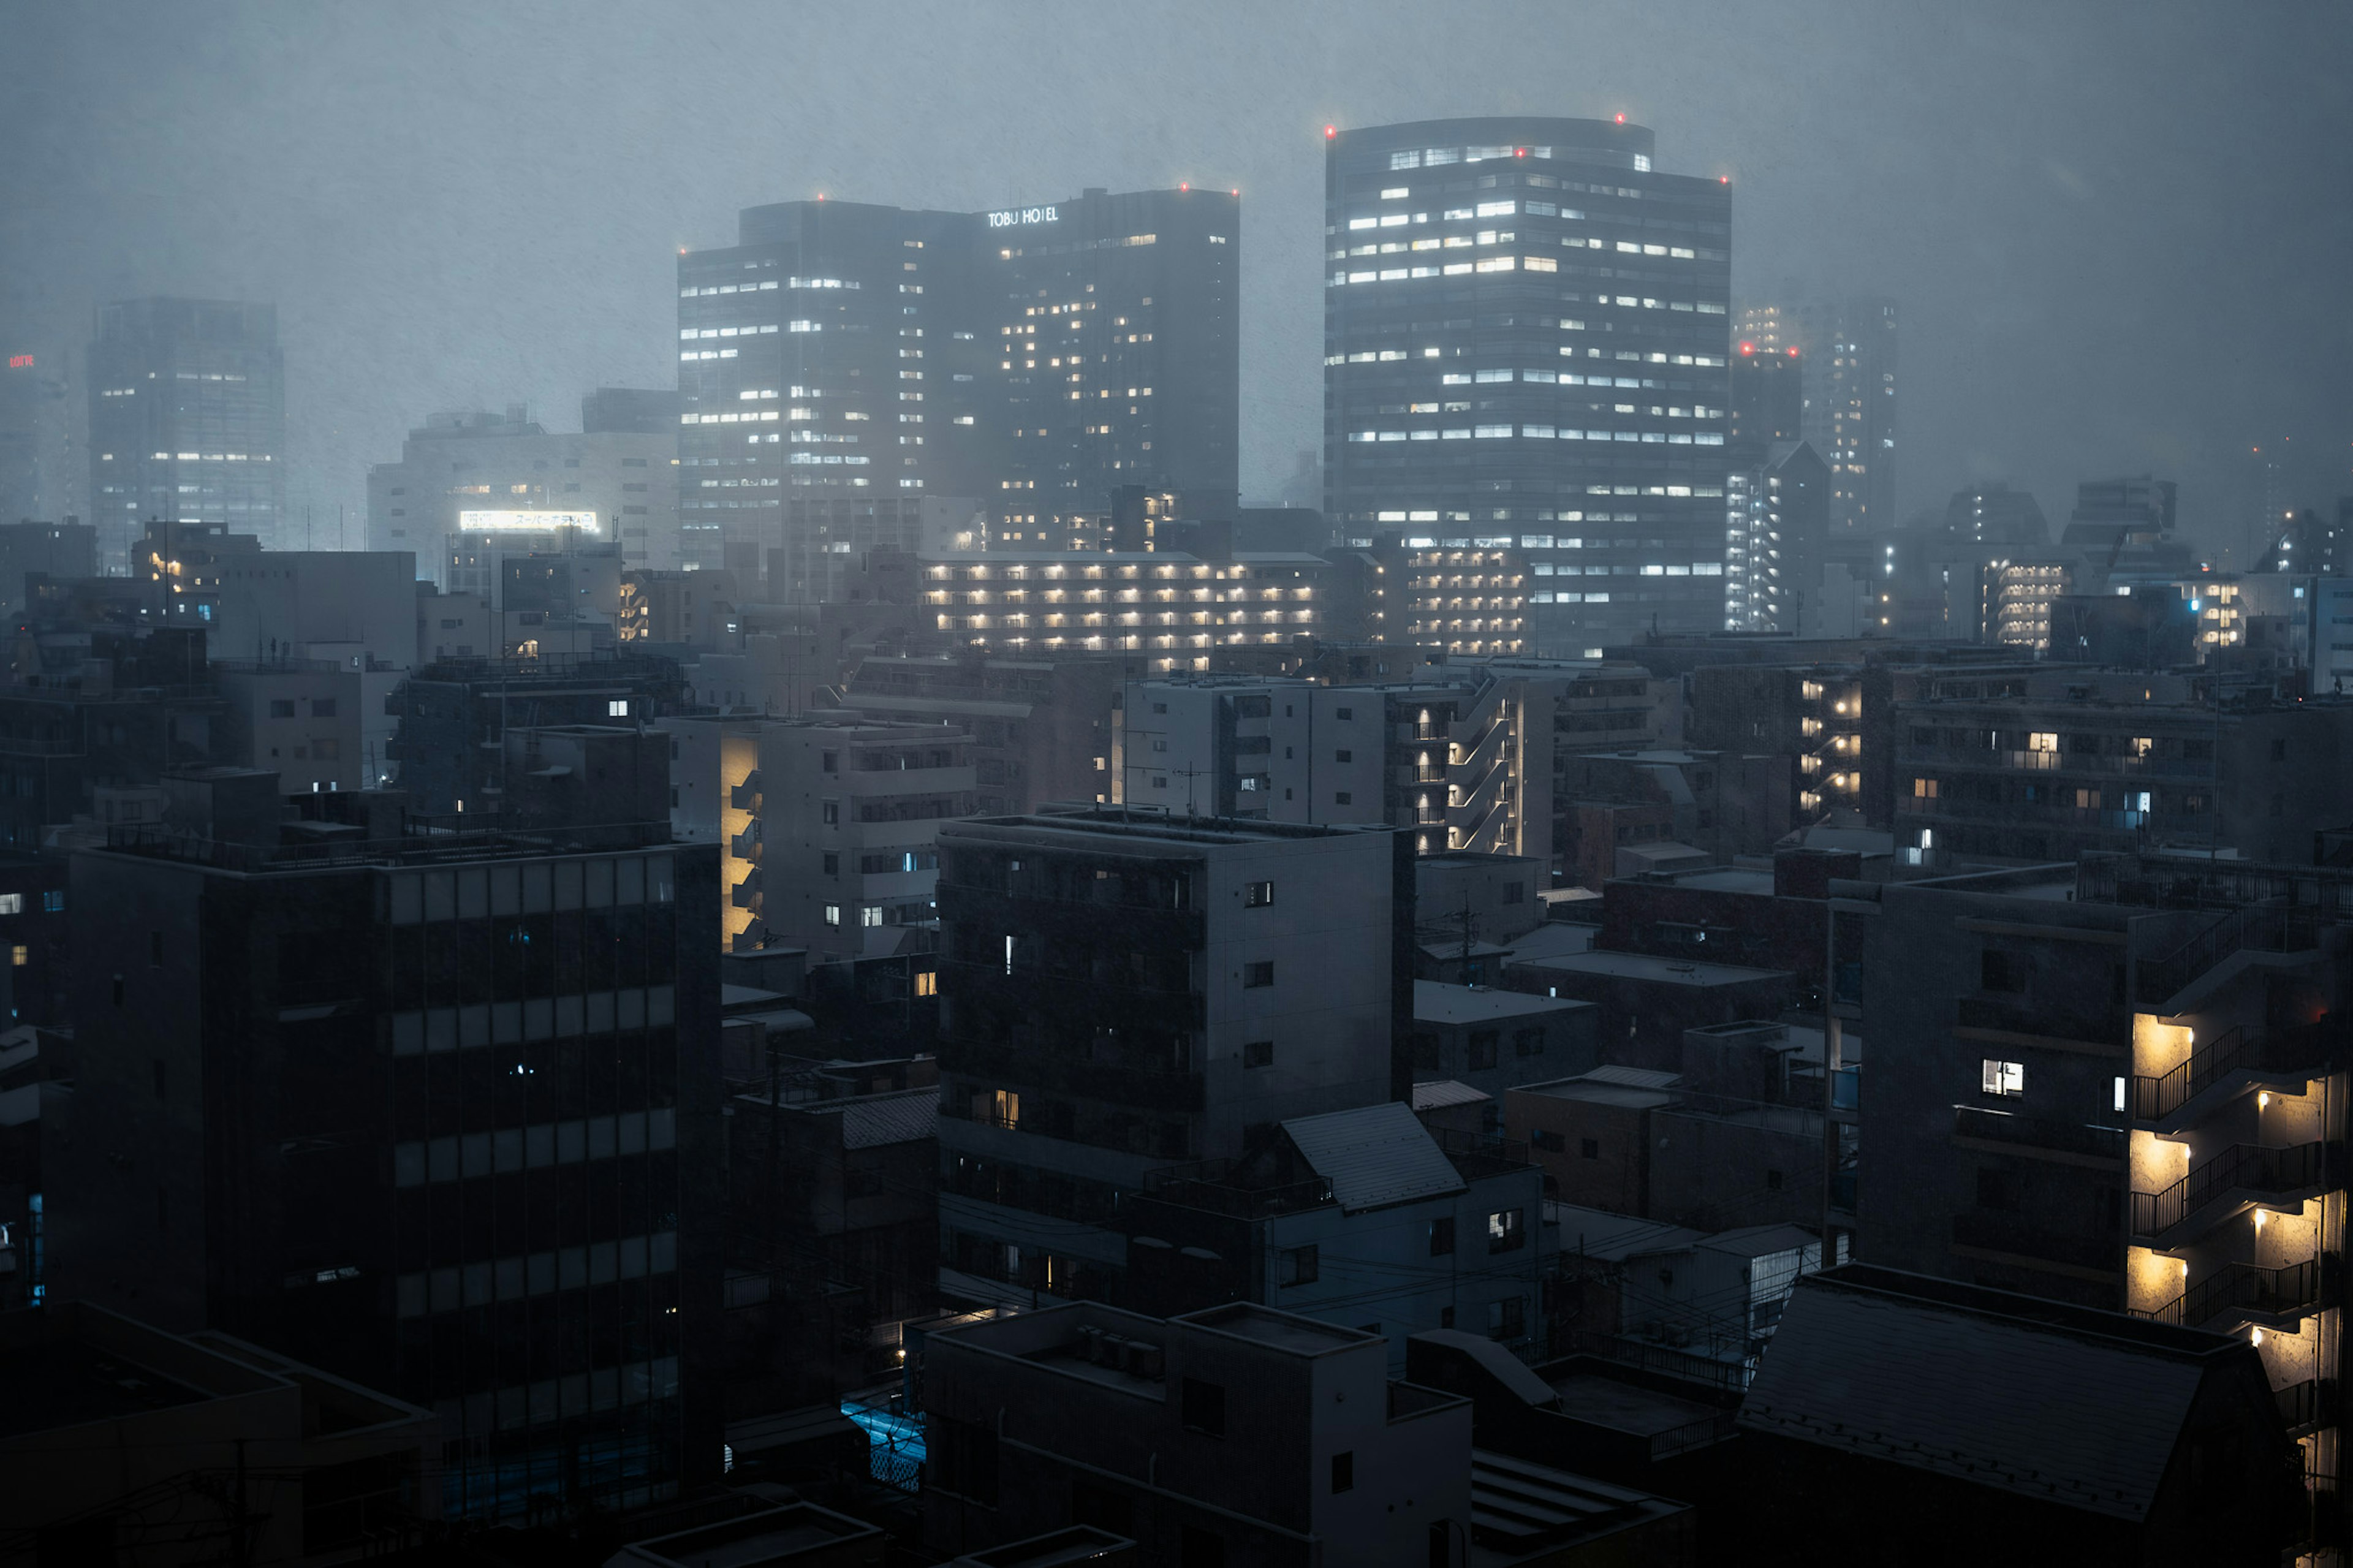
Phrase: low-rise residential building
(1359,1216)
(1648,1002)
(2143,1442)
(452,713)
(1239,1434)
(1493,1039)
(301,719)
(124,1442)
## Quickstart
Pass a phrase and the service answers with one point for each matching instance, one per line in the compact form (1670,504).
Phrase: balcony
(2242,1290)
(1209,1186)
(2306,1407)
(2067,1142)
(2015,1236)
(2105,1028)
(2242,1172)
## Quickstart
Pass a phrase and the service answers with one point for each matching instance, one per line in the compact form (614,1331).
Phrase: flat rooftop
(65,1382)
(1625,1408)
(1603,963)
(1280,1330)
(1436,1002)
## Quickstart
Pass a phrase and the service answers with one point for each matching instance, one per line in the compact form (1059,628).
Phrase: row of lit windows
(1547,433)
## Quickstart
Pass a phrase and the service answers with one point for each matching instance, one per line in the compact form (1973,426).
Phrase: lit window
(2005,1078)
(619,708)
(833,915)
(1255,895)
(2042,741)
(1505,1233)
(871,915)
(12,903)
(927,982)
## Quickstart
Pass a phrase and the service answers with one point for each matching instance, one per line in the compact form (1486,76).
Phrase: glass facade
(188,420)
(1524,342)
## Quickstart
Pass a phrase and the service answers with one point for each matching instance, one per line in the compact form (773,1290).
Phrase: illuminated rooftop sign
(20,361)
(498,522)
(1020,216)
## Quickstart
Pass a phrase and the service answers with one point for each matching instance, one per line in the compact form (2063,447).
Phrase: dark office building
(437,1113)
(1119,318)
(21,395)
(629,411)
(453,714)
(187,419)
(1532,300)
(1769,395)
(56,549)
(817,359)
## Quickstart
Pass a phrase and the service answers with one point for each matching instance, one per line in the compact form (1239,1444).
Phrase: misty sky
(2122,234)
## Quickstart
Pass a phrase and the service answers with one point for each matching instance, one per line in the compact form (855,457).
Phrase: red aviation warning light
(1622,120)
(1330,131)
(1749,348)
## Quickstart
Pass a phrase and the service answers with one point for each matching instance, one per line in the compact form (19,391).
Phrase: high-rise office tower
(818,360)
(1525,342)
(188,420)
(1849,347)
(20,440)
(1117,319)
(1768,394)
(854,377)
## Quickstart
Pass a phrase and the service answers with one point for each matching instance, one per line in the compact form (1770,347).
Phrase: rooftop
(1374,1155)
(1436,1003)
(1444,1092)
(1279,1330)
(1893,1366)
(1646,967)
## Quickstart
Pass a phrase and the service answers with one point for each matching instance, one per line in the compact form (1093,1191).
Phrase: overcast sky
(2121,234)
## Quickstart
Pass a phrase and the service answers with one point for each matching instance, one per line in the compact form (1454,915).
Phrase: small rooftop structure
(1435,1002)
(1374,1155)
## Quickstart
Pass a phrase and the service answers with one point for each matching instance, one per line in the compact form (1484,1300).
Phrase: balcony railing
(2301,1406)
(2018,1018)
(2255,928)
(2010,1233)
(2040,1132)
(2207,1065)
(2242,1287)
(1210,1185)
(2243,1167)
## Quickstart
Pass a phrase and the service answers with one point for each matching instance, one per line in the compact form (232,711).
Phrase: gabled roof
(890,1119)
(2072,1406)
(1445,1091)
(1374,1155)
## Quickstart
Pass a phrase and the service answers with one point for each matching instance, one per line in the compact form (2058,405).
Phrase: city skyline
(2013,276)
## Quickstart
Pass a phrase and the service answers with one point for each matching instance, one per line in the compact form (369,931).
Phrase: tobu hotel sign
(488,521)
(1019,216)
(20,361)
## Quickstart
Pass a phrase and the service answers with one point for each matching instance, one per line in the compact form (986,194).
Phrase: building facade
(503,480)
(1121,992)
(1850,418)
(188,420)
(442,1121)
(1485,281)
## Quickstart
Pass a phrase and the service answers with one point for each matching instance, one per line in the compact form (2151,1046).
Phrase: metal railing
(2242,1288)
(2257,928)
(2236,1050)
(2240,1166)
(2040,1132)
(1207,1185)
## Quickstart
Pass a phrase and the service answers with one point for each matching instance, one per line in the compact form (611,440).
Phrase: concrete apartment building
(2123,1085)
(1121,992)
(1042,729)
(1173,611)
(2117,760)
(1468,764)
(302,720)
(827,827)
